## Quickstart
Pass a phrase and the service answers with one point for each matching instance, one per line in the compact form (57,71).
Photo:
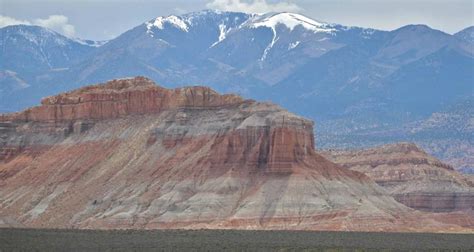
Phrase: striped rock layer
(130,154)
(411,176)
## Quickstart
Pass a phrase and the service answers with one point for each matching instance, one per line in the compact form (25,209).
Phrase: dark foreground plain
(233,240)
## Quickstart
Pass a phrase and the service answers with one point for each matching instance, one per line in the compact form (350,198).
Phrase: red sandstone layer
(119,98)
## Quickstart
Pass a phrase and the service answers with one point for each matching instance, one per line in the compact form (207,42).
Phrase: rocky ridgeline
(399,154)
(119,98)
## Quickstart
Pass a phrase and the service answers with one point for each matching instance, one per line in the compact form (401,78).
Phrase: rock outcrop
(119,98)
(411,176)
(130,154)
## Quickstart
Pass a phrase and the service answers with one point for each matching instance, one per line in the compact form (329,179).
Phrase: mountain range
(362,86)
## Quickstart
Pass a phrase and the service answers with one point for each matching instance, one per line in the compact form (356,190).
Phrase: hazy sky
(105,19)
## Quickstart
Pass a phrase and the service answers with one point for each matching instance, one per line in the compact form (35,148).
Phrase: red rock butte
(140,96)
(130,154)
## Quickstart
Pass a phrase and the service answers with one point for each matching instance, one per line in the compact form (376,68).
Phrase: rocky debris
(413,177)
(129,154)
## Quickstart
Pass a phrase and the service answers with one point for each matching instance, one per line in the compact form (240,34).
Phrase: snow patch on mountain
(92,43)
(269,47)
(223,30)
(290,20)
(293,45)
(173,20)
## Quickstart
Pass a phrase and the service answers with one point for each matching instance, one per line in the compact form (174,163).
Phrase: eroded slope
(413,177)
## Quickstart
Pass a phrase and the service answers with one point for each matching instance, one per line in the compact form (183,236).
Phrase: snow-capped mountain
(349,79)
(32,54)
(34,48)
(257,55)
(247,49)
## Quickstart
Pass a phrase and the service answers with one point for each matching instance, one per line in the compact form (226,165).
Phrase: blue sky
(105,19)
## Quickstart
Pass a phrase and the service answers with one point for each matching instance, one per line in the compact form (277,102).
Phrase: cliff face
(119,98)
(129,154)
(411,176)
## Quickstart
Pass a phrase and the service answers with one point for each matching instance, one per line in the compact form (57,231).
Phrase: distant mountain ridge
(31,55)
(352,81)
(466,34)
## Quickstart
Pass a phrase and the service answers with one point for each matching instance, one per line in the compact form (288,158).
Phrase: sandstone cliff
(118,98)
(130,154)
(413,177)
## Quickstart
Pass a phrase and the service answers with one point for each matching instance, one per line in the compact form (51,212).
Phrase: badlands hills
(130,154)
(411,176)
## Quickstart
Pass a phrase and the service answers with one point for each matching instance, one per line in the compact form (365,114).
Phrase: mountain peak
(416,28)
(467,29)
(38,34)
(193,19)
(31,30)
(290,20)
(27,27)
(466,34)
(172,20)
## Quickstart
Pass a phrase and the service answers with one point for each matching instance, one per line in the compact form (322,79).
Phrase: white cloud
(58,23)
(6,21)
(253,6)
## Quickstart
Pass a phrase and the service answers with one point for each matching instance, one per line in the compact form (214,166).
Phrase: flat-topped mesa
(119,98)
(260,135)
